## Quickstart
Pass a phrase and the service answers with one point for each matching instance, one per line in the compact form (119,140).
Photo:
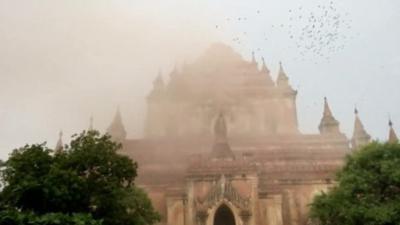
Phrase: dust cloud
(62,62)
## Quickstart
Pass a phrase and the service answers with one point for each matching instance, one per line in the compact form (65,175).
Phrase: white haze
(63,61)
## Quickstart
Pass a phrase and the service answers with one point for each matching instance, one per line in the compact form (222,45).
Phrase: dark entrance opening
(224,216)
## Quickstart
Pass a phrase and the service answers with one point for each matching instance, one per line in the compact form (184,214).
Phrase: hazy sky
(63,61)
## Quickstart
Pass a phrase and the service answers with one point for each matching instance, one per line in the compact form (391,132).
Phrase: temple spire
(282,79)
(328,124)
(59,146)
(265,71)
(360,135)
(264,67)
(253,58)
(91,123)
(175,78)
(221,148)
(158,87)
(392,134)
(159,81)
(116,128)
(174,71)
(327,109)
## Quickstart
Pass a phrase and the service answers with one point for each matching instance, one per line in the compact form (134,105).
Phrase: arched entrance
(224,216)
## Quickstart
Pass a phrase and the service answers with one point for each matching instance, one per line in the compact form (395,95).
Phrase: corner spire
(392,134)
(116,128)
(221,148)
(328,124)
(264,67)
(360,135)
(59,146)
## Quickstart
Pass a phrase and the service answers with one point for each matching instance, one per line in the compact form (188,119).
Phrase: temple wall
(159,202)
(190,210)
(286,115)
(269,120)
(262,212)
(270,210)
(296,202)
(175,211)
(254,199)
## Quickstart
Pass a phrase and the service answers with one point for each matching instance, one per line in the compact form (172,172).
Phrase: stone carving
(223,190)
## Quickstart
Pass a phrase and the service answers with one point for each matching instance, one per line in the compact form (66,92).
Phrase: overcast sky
(63,61)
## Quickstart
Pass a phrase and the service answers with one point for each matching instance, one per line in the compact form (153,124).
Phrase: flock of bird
(317,32)
(321,32)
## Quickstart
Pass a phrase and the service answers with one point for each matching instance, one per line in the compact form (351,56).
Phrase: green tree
(367,190)
(88,182)
(15,217)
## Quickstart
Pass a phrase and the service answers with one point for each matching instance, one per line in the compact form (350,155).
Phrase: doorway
(224,216)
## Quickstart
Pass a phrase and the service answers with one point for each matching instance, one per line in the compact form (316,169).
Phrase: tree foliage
(14,217)
(367,190)
(87,182)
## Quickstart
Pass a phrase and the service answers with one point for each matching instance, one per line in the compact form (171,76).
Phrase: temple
(222,145)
